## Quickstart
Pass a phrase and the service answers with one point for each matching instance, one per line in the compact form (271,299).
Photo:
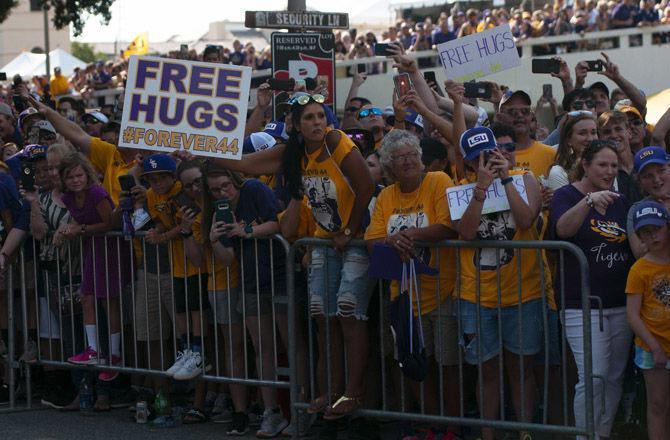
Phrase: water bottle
(85,396)
(161,404)
(141,412)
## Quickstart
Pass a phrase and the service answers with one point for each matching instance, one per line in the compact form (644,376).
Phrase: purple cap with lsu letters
(476,140)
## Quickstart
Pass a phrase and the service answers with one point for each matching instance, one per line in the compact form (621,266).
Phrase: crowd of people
(206,283)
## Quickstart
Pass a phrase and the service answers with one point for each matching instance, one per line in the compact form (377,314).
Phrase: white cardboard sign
(480,54)
(459,197)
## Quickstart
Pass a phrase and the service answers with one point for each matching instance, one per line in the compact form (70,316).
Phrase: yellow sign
(139,46)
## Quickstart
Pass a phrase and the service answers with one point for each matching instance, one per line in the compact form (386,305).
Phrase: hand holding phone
(403,84)
(547,92)
(223,212)
(594,66)
(546,65)
(477,90)
(27,176)
(184,201)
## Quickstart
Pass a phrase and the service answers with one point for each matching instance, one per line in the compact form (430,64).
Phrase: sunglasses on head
(374,111)
(510,147)
(577,113)
(580,104)
(304,99)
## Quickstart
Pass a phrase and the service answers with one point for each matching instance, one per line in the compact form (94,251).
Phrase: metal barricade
(551,414)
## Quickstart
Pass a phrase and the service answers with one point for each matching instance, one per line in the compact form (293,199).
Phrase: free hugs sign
(175,105)
(480,54)
(459,197)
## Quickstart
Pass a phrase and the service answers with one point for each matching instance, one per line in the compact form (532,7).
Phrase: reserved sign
(459,197)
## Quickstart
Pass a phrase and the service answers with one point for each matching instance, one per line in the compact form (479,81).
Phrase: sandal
(319,404)
(193,416)
(343,407)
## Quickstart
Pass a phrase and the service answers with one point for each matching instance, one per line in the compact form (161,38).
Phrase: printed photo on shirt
(497,226)
(322,194)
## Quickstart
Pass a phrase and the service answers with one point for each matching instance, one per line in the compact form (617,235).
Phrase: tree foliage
(85,52)
(66,12)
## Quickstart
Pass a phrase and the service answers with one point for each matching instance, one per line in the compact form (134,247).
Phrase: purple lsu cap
(476,140)
(276,129)
(650,212)
(649,155)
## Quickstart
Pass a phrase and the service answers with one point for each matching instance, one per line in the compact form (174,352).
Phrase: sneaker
(108,376)
(273,424)
(87,357)
(304,423)
(221,404)
(182,356)
(192,367)
(240,424)
(30,355)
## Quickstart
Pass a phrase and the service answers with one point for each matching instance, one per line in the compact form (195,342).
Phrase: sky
(164,18)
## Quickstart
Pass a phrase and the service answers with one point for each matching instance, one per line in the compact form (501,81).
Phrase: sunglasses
(304,99)
(374,111)
(578,105)
(577,113)
(510,147)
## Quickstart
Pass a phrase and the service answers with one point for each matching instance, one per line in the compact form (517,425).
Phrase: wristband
(479,199)
(589,200)
(185,234)
(506,180)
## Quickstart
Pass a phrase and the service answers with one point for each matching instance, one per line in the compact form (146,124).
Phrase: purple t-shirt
(604,241)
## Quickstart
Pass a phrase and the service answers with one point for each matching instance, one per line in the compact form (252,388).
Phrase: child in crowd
(648,308)
(91,208)
(181,227)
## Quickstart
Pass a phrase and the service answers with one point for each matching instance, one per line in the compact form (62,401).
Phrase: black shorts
(189,292)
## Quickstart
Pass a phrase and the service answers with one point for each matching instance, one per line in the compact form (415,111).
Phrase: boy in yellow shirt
(181,228)
(648,309)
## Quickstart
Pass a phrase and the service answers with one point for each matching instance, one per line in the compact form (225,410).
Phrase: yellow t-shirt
(162,209)
(396,211)
(106,158)
(652,281)
(58,85)
(537,158)
(327,189)
(501,226)
(306,223)
(223,277)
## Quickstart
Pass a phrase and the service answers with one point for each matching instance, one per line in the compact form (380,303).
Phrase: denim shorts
(526,340)
(338,283)
(645,359)
(554,339)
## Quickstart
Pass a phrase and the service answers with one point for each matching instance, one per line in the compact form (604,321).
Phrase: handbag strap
(413,277)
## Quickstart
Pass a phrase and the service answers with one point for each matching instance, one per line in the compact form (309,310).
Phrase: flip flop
(319,404)
(343,407)
(193,416)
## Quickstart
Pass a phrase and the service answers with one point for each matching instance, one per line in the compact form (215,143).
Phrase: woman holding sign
(491,296)
(326,166)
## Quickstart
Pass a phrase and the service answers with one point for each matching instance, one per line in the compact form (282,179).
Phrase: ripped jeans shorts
(339,283)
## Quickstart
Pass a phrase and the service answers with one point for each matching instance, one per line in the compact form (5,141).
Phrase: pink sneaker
(108,376)
(87,357)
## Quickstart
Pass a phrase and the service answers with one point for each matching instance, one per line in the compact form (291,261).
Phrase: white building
(24,30)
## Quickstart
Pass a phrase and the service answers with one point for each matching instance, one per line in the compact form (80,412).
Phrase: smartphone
(381,49)
(431,79)
(403,84)
(184,201)
(545,65)
(127,182)
(223,211)
(27,176)
(34,135)
(3,76)
(361,68)
(477,90)
(547,92)
(594,66)
(285,85)
(18,100)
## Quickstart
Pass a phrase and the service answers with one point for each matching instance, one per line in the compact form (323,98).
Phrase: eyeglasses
(577,113)
(511,111)
(225,186)
(635,121)
(405,157)
(47,137)
(196,182)
(580,104)
(374,111)
(510,147)
(304,99)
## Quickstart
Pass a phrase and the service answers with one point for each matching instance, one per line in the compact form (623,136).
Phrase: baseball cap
(649,155)
(98,116)
(45,125)
(512,93)
(25,116)
(649,212)
(476,140)
(34,151)
(6,110)
(630,109)
(600,85)
(159,163)
(258,141)
(276,129)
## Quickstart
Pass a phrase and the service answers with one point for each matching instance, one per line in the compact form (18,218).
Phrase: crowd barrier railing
(391,396)
(271,315)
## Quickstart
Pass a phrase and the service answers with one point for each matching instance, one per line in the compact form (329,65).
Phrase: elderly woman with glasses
(325,165)
(577,131)
(589,214)
(414,209)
